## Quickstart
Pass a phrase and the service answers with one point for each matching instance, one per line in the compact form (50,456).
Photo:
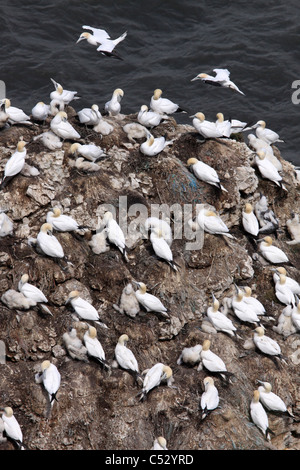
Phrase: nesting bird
(48,243)
(62,128)
(16,162)
(190,356)
(51,378)
(259,415)
(221,78)
(265,134)
(290,282)
(113,106)
(295,314)
(154,377)
(249,220)
(163,105)
(254,303)
(61,94)
(12,427)
(94,347)
(152,223)
(293,226)
(15,115)
(209,398)
(283,292)
(207,129)
(114,233)
(285,324)
(270,400)
(125,357)
(90,116)
(212,362)
(265,344)
(211,223)
(242,309)
(40,111)
(161,248)
(159,443)
(268,170)
(128,302)
(149,301)
(82,307)
(149,118)
(74,345)
(32,292)
(61,222)
(91,152)
(3,116)
(266,217)
(205,173)
(154,145)
(272,253)
(219,320)
(223,125)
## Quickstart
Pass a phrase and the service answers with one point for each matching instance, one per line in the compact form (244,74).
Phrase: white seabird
(113,106)
(154,145)
(265,344)
(283,292)
(61,94)
(293,226)
(295,314)
(149,118)
(101,39)
(220,321)
(285,324)
(91,151)
(210,397)
(163,105)
(211,223)
(244,311)
(75,346)
(249,220)
(114,232)
(12,427)
(149,301)
(15,115)
(259,415)
(268,170)
(48,243)
(82,307)
(154,222)
(206,129)
(94,347)
(263,133)
(49,140)
(220,79)
(3,115)
(128,302)
(253,302)
(290,282)
(205,173)
(272,253)
(51,379)
(223,125)
(211,361)
(62,128)
(270,400)
(154,377)
(61,222)
(125,357)
(40,111)
(159,443)
(16,162)
(161,248)
(30,291)
(90,116)
(190,356)
(262,146)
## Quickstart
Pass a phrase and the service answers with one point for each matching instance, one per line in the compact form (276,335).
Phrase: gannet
(94,347)
(205,173)
(191,355)
(90,116)
(154,377)
(30,291)
(50,140)
(206,129)
(293,226)
(223,125)
(86,166)
(48,243)
(15,115)
(265,344)
(16,162)
(295,314)
(249,220)
(159,443)
(242,310)
(12,427)
(61,94)
(211,223)
(83,308)
(55,106)
(6,225)
(51,379)
(239,126)
(61,127)
(154,222)
(272,253)
(128,303)
(91,151)
(149,301)
(114,232)
(259,415)
(40,111)
(220,79)
(253,302)
(74,345)
(209,398)
(261,145)
(125,357)
(154,145)
(161,247)
(101,39)
(263,133)
(149,118)
(283,292)
(16,300)
(163,105)
(268,170)
(220,321)
(211,361)
(290,282)
(113,106)
(266,217)
(270,400)
(61,222)
(285,325)
(3,115)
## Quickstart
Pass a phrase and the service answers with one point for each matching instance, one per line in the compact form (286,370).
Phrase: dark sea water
(169,42)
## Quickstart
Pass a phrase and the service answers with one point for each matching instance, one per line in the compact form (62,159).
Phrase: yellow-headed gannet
(263,133)
(249,220)
(149,118)
(223,125)
(242,310)
(82,307)
(90,116)
(3,115)
(210,397)
(159,443)
(259,415)
(12,427)
(290,282)
(94,347)
(61,127)
(154,222)
(272,253)
(211,361)
(101,39)
(283,292)
(211,223)
(207,129)
(61,222)
(268,170)
(253,302)
(161,247)
(48,243)
(6,225)
(114,232)
(265,344)
(295,314)
(205,173)
(149,301)
(125,357)
(220,321)
(91,151)
(260,145)
(74,345)
(190,356)
(40,111)
(51,379)
(154,376)
(15,115)
(113,106)
(270,400)
(154,145)
(163,105)
(220,79)
(16,162)
(30,291)
(61,94)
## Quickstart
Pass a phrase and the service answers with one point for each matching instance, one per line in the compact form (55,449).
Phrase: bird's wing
(99,34)
(222,74)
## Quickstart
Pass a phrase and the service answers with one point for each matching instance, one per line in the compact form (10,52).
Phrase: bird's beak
(68,300)
(195,78)
(193,115)
(236,288)
(259,381)
(135,283)
(79,39)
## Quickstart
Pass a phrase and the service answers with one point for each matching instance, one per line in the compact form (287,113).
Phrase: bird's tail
(121,38)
